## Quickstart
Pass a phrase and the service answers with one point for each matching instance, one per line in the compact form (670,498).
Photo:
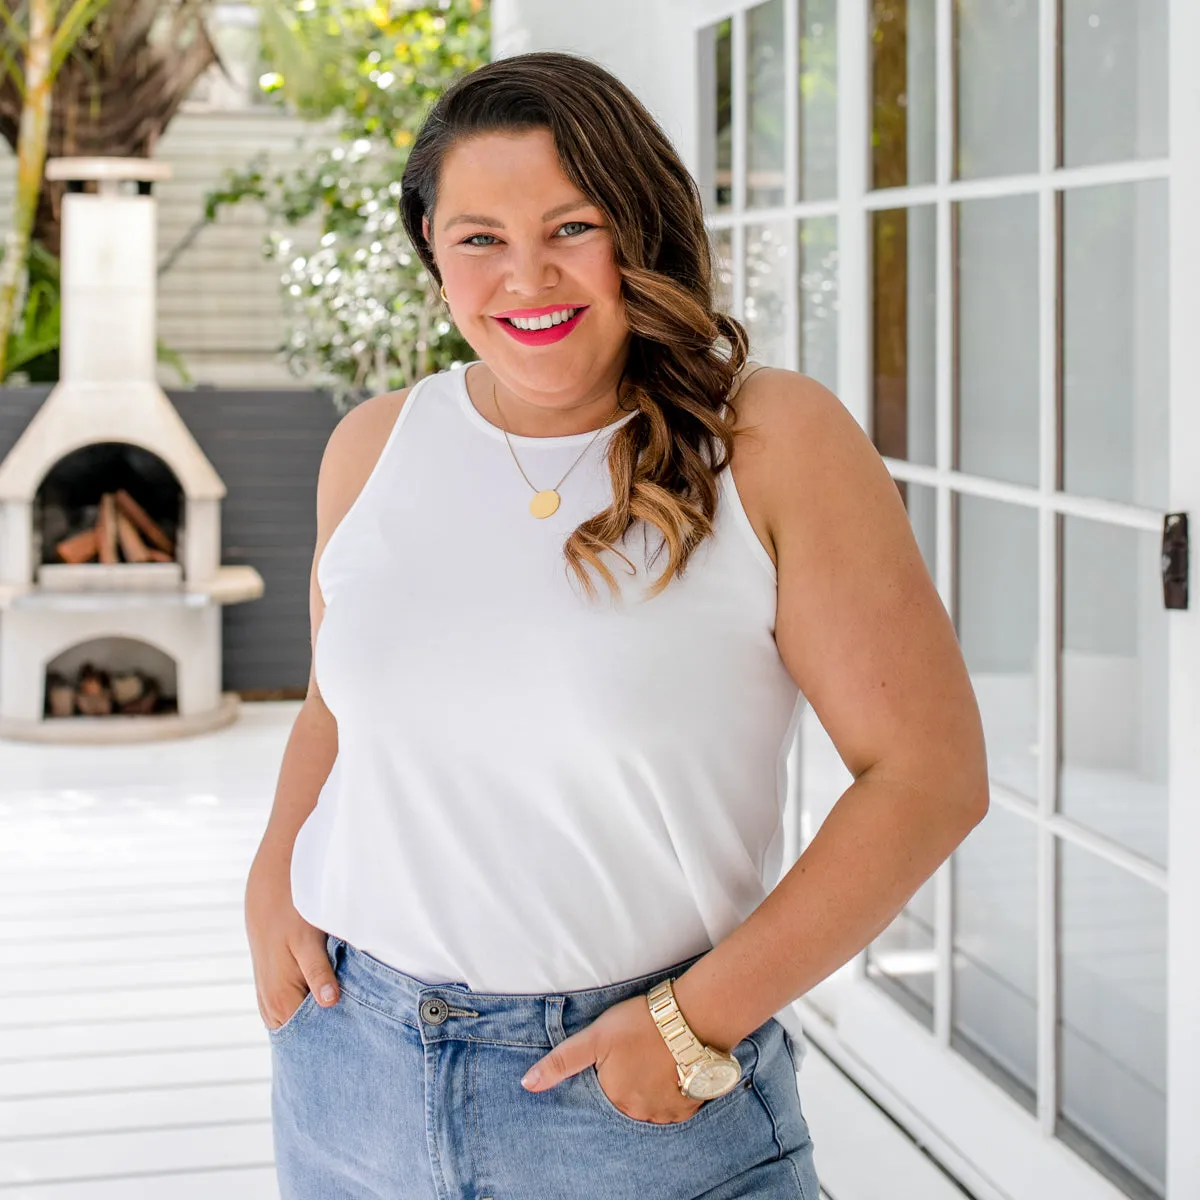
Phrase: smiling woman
(526,832)
(486,190)
(550,265)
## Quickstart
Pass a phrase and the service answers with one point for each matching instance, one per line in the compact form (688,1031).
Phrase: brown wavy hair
(683,356)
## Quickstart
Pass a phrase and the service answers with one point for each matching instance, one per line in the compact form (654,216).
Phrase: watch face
(713,1079)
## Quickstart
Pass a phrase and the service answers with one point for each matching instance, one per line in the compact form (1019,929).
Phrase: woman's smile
(541,326)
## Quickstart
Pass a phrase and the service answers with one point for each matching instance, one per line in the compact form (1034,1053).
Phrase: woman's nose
(530,272)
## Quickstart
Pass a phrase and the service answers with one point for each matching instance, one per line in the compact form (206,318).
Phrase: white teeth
(543,322)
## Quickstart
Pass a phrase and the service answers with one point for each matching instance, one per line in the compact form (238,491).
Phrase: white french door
(976,220)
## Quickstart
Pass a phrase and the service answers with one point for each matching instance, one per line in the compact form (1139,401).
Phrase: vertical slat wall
(219,304)
(266,445)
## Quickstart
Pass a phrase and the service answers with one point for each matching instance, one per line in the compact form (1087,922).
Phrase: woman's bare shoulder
(351,453)
(775,407)
(794,442)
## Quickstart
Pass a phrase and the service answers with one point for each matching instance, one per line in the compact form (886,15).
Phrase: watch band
(685,1046)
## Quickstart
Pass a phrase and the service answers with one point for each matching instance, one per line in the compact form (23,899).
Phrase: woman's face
(518,245)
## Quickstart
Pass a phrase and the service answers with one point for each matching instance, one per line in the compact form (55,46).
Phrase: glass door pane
(818,99)
(817,299)
(997,619)
(903,71)
(1113,673)
(998,338)
(714,68)
(904,242)
(997,87)
(903,959)
(765,106)
(1115,393)
(995,952)
(767,292)
(1113,1020)
(1114,80)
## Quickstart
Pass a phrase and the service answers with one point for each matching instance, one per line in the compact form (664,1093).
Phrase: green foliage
(173,359)
(33,342)
(362,315)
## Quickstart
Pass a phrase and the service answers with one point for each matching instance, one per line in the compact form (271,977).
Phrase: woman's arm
(350,457)
(864,634)
(289,953)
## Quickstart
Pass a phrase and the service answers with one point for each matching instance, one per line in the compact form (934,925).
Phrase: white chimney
(109,247)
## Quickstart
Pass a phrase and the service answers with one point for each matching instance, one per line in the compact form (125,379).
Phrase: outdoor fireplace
(111,584)
(106,502)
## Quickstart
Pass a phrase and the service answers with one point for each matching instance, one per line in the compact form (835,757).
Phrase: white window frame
(995,1146)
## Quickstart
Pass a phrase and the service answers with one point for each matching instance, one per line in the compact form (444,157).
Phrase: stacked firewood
(99,693)
(123,531)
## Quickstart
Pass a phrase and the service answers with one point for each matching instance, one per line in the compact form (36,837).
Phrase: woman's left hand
(636,1070)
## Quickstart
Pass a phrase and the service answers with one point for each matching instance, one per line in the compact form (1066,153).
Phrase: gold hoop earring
(445,298)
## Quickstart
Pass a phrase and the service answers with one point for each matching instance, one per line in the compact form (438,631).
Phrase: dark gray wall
(266,446)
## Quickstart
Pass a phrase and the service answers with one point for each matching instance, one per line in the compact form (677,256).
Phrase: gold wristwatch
(704,1071)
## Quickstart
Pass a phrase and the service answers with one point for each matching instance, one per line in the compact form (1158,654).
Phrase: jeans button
(434,1011)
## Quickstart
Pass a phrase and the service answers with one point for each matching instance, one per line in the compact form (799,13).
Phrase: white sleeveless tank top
(534,791)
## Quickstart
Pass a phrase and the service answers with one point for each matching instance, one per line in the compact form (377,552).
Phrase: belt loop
(334,946)
(554,1022)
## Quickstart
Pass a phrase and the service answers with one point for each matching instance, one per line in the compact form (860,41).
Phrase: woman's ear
(425,229)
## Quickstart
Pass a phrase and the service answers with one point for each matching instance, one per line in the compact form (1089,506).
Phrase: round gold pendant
(544,503)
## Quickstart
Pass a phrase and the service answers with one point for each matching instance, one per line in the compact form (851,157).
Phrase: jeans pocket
(301,1011)
(747,1055)
(793,1052)
(335,952)
(701,1116)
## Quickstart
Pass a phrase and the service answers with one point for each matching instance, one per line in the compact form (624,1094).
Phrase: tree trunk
(31,162)
(116,94)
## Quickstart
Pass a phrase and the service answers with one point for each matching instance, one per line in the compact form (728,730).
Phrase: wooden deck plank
(53,1117)
(32,903)
(238,1183)
(157,947)
(153,1150)
(60,978)
(89,1039)
(52,882)
(126,1006)
(109,925)
(117,1073)
(860,1152)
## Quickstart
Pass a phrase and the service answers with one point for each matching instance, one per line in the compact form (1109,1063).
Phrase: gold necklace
(545,501)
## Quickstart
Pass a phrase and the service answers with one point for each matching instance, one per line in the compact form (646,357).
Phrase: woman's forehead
(515,173)
(501,159)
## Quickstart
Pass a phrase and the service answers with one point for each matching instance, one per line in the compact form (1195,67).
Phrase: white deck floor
(133,1063)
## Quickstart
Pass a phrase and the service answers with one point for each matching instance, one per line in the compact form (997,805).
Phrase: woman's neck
(526,413)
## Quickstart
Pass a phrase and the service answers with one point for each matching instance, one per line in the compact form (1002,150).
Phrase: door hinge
(1175,560)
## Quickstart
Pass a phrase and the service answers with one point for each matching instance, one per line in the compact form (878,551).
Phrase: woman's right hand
(288,954)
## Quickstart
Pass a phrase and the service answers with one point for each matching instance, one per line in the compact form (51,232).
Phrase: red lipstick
(539,337)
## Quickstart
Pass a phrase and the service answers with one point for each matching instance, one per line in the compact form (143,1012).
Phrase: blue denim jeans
(407,1090)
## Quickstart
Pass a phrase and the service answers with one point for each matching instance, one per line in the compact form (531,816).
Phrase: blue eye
(471,241)
(580,225)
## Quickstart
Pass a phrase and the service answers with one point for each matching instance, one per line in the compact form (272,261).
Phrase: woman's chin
(550,369)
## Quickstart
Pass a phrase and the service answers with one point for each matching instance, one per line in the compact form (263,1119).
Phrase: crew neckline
(566,439)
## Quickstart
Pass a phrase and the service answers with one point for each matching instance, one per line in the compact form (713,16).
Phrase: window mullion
(1049,570)
(944,396)
(853,156)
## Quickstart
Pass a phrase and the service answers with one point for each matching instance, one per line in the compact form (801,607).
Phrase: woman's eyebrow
(478,219)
